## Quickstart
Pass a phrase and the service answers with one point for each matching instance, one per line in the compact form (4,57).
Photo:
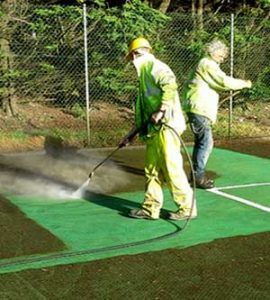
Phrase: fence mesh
(42,83)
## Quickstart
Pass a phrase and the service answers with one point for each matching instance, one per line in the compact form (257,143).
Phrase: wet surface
(58,176)
(42,174)
(235,268)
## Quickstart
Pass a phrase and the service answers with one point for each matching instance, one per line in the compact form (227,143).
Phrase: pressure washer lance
(228,97)
(125,141)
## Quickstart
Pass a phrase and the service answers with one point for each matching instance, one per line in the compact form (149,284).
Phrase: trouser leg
(172,168)
(153,199)
(203,142)
(164,161)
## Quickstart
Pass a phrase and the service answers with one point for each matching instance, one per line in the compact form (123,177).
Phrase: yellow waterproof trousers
(164,163)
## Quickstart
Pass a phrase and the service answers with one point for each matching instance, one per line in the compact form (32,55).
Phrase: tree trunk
(164,5)
(9,103)
(197,14)
(148,2)
(193,13)
(200,15)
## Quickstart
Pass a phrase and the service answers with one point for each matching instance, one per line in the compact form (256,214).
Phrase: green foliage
(54,53)
(113,81)
(18,136)
(48,68)
(115,28)
(251,46)
(78,111)
(119,27)
(198,40)
(140,20)
(50,34)
(10,76)
(261,88)
(265,3)
(53,59)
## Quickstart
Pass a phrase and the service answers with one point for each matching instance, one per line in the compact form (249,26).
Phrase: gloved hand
(129,137)
(249,83)
(124,143)
(157,116)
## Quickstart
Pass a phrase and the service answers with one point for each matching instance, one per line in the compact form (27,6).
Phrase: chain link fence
(245,114)
(44,85)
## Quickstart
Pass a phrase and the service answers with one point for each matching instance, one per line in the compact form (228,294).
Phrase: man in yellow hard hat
(136,44)
(159,116)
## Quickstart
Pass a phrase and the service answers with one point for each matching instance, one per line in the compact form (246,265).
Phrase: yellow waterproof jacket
(157,86)
(200,95)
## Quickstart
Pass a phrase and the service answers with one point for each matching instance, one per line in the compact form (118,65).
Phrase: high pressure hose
(103,161)
(68,254)
(129,137)
(192,173)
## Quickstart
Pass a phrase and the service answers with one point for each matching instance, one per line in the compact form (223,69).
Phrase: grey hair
(216,45)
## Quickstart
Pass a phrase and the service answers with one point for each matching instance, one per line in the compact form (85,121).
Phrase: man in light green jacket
(159,117)
(200,102)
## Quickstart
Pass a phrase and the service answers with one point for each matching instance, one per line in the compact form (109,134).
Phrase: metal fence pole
(231,73)
(86,72)
(77,80)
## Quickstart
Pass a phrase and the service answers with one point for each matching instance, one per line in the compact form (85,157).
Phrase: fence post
(231,73)
(86,72)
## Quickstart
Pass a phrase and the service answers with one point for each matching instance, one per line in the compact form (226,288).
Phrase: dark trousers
(203,142)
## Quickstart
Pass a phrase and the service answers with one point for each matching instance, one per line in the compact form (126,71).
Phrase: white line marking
(244,201)
(240,186)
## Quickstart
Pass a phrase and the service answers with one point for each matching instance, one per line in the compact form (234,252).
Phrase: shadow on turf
(129,169)
(123,206)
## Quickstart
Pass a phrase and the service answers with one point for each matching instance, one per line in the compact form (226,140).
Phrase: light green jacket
(200,95)
(157,86)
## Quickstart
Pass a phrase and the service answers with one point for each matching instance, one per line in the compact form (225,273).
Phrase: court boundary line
(218,191)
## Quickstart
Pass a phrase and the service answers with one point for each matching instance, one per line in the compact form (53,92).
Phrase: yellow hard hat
(138,43)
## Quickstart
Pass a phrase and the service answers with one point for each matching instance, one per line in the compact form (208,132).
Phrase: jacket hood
(138,62)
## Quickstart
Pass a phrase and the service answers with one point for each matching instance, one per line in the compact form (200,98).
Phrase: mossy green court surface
(95,230)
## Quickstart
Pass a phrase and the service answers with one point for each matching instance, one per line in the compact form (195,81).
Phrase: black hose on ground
(67,254)
(193,180)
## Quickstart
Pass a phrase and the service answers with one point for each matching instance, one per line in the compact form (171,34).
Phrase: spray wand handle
(125,141)
(129,137)
(102,162)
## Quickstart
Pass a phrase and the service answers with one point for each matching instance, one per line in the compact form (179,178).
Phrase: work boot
(140,214)
(204,183)
(182,215)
